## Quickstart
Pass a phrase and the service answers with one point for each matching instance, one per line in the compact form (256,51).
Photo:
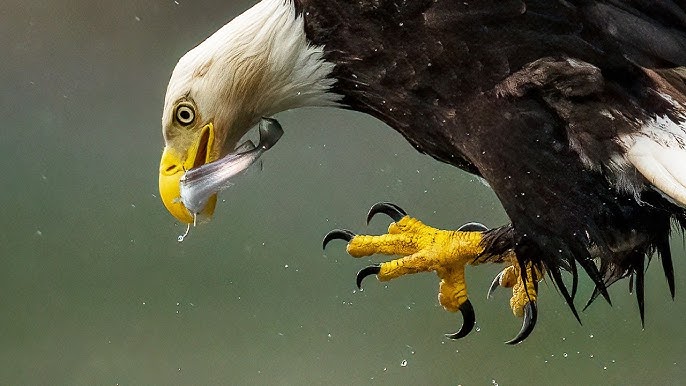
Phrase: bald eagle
(574,112)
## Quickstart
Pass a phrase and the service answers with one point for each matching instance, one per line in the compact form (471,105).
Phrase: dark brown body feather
(488,86)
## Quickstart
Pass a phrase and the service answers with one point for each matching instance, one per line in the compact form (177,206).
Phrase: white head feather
(257,65)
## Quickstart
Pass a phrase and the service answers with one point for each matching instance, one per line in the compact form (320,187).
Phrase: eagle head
(257,65)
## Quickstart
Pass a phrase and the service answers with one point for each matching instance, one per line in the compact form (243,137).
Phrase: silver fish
(199,184)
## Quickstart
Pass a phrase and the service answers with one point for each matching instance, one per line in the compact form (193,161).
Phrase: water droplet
(403,363)
(564,355)
(183,236)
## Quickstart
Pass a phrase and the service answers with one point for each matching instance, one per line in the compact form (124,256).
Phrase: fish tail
(270,132)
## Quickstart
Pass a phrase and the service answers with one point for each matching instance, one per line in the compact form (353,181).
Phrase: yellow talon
(390,244)
(410,235)
(423,248)
(511,277)
(524,293)
(452,291)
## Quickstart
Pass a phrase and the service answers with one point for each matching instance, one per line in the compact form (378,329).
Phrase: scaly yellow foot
(524,294)
(424,249)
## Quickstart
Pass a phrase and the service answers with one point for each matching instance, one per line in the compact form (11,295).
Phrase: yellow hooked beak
(172,167)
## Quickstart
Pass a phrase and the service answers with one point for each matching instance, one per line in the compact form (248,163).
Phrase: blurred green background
(95,289)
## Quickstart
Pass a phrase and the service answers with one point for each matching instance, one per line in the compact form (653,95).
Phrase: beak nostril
(170,169)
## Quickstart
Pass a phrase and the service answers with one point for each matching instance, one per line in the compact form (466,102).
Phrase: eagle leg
(422,249)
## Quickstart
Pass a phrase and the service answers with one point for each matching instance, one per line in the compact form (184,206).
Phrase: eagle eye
(185,114)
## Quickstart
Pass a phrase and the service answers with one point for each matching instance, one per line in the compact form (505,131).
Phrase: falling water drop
(183,236)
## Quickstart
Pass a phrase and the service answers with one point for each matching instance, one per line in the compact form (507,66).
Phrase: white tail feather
(658,152)
(663,166)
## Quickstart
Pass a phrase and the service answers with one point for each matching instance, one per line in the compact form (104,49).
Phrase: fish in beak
(175,163)
(190,190)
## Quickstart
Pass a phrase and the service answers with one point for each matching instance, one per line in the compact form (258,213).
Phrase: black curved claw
(473,227)
(392,210)
(468,321)
(337,234)
(494,285)
(530,315)
(366,271)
